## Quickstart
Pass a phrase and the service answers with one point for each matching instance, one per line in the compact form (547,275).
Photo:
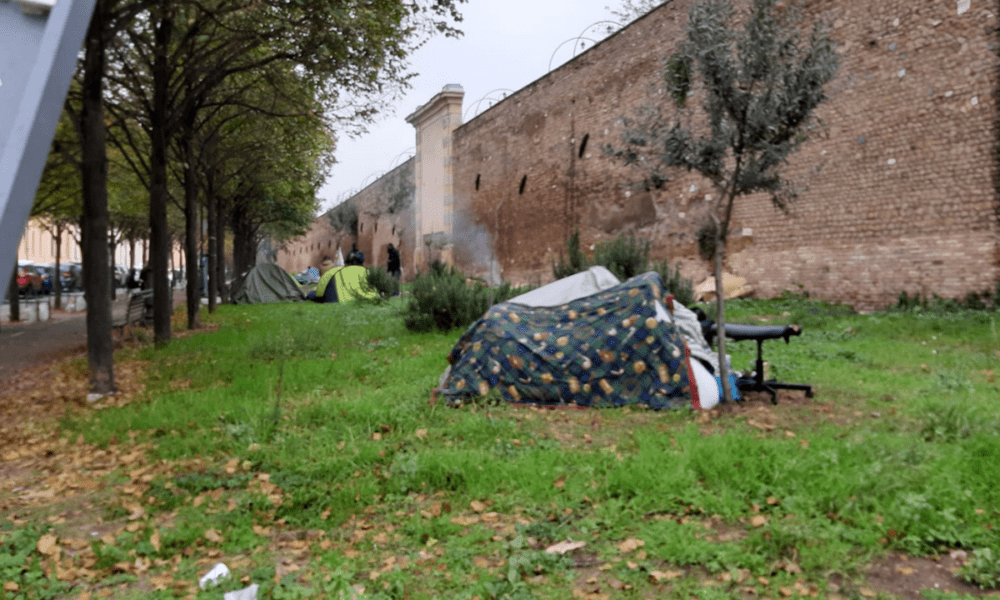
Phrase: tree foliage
(630,10)
(743,100)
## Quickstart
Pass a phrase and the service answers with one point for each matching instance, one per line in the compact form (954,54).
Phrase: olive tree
(741,93)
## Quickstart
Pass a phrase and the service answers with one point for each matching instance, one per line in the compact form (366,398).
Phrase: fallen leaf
(630,544)
(658,576)
(47,545)
(559,483)
(154,540)
(465,520)
(161,582)
(564,547)
(213,536)
(758,520)
(867,593)
(631,565)
(376,436)
(11,586)
(232,465)
(477,506)
(905,570)
(421,433)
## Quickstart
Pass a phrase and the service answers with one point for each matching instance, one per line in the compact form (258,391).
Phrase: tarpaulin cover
(607,349)
(267,283)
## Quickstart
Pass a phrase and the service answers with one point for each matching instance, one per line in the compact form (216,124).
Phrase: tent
(586,340)
(265,284)
(348,284)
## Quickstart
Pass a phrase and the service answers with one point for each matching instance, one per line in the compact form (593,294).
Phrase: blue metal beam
(38,54)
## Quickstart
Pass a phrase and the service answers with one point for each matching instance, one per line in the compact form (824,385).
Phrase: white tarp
(567,289)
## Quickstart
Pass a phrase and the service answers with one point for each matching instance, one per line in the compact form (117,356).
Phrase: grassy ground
(296,444)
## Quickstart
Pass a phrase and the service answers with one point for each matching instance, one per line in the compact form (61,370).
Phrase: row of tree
(202,115)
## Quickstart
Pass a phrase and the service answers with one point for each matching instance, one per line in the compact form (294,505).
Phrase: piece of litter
(218,573)
(247,593)
(94,397)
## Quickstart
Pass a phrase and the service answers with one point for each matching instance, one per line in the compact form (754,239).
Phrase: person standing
(392,264)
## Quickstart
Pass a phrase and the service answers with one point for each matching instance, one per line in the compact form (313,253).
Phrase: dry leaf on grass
(758,520)
(564,547)
(659,576)
(630,544)
(47,545)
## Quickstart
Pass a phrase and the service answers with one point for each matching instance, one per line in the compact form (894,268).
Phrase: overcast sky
(507,44)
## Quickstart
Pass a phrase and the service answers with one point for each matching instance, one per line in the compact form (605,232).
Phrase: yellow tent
(348,282)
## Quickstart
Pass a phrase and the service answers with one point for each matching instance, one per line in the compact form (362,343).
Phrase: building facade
(897,180)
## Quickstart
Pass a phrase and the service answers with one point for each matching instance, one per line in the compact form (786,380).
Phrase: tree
(630,10)
(344,220)
(759,86)
(353,55)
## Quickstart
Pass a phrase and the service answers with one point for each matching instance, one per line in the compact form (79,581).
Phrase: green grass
(898,451)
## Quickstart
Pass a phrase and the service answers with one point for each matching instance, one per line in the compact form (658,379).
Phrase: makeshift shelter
(586,340)
(266,284)
(348,283)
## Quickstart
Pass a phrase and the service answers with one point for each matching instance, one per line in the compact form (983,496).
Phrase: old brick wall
(385,214)
(898,192)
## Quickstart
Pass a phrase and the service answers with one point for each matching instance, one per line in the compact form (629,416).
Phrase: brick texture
(898,191)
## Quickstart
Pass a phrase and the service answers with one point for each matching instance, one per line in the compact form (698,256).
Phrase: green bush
(443,300)
(625,256)
(576,262)
(379,280)
(673,283)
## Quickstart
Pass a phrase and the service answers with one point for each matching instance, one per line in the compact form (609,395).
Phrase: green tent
(265,284)
(348,284)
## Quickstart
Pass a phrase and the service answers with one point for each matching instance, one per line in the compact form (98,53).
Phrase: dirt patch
(905,577)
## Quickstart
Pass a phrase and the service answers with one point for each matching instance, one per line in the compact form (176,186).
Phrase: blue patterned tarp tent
(616,347)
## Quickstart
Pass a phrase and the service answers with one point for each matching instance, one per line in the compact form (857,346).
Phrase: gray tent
(265,284)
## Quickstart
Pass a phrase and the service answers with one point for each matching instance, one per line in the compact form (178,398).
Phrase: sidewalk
(25,344)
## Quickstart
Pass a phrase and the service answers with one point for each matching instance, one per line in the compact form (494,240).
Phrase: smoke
(474,250)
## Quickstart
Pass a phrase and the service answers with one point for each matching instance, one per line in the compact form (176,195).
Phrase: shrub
(443,300)
(379,280)
(576,262)
(626,257)
(681,288)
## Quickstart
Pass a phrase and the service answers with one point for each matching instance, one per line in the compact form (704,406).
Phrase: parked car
(71,277)
(47,273)
(29,282)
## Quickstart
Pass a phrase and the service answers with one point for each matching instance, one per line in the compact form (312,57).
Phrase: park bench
(135,312)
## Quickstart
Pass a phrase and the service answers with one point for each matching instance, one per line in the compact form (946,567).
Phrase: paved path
(26,344)
(23,345)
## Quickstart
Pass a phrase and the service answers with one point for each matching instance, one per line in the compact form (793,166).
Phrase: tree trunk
(57,282)
(94,230)
(244,248)
(112,243)
(160,246)
(213,259)
(720,314)
(191,236)
(15,304)
(220,251)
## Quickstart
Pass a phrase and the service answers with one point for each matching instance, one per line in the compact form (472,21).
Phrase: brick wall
(898,182)
(385,215)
